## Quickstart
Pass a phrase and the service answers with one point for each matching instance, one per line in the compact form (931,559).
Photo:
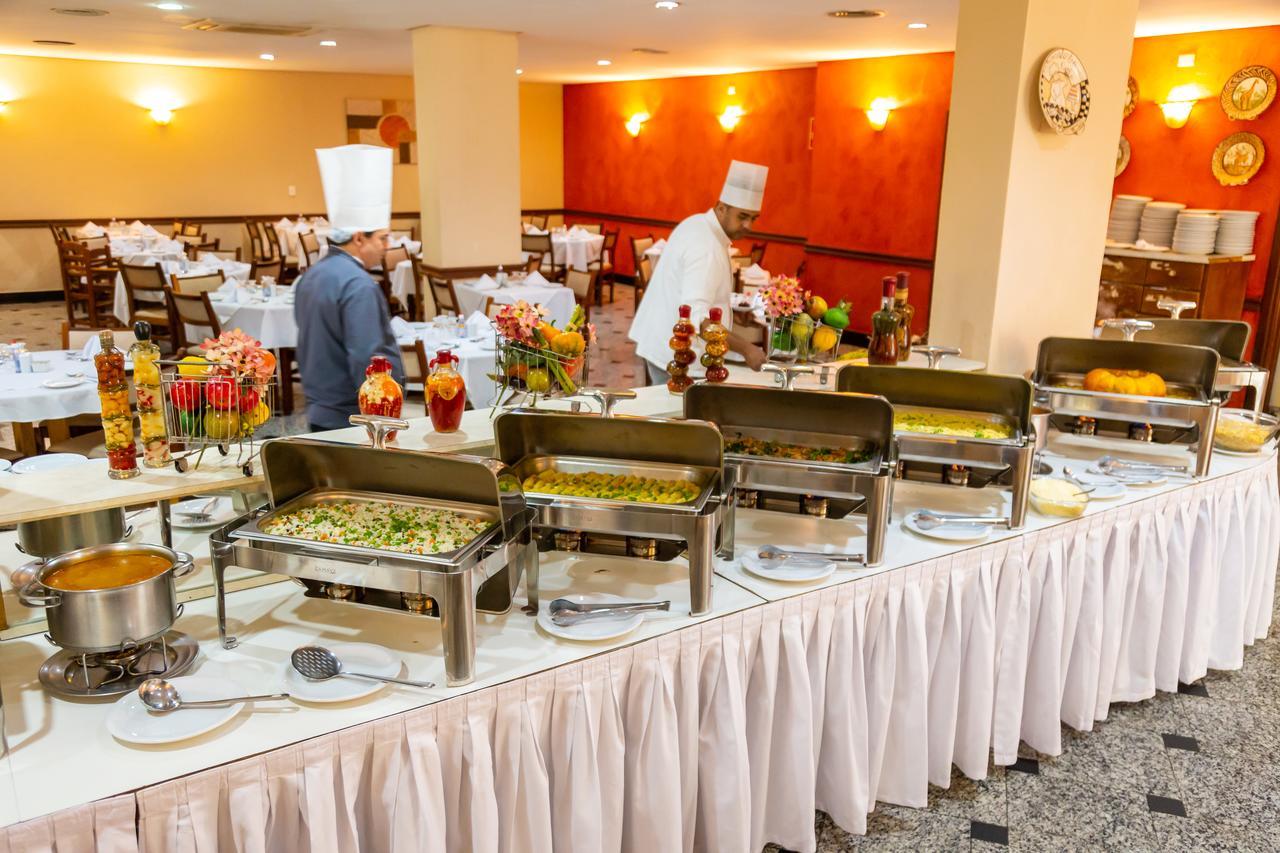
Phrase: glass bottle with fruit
(446,393)
(883,347)
(117,417)
(146,388)
(906,314)
(682,354)
(716,336)
(380,394)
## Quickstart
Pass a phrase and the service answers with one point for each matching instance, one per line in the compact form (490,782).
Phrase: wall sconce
(730,117)
(159,104)
(878,114)
(636,123)
(1177,107)
(161,116)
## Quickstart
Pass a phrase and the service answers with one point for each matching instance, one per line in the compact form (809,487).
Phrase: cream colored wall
(541,145)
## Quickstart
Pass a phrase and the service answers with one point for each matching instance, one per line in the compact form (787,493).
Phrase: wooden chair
(393,258)
(88,283)
(592,227)
(269,239)
(273,268)
(604,266)
(77,338)
(257,251)
(417,299)
(94,243)
(492,307)
(193,310)
(192,229)
(583,285)
(189,239)
(534,263)
(757,252)
(539,221)
(309,248)
(194,284)
(288,261)
(644,271)
(195,250)
(177,229)
(145,288)
(541,244)
(224,254)
(60,233)
(416,364)
(442,292)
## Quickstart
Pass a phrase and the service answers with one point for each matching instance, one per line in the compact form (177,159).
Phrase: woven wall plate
(1122,156)
(1249,92)
(1237,159)
(1131,98)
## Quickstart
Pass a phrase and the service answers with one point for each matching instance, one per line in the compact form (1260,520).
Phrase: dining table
(269,319)
(573,248)
(180,266)
(60,386)
(476,357)
(555,298)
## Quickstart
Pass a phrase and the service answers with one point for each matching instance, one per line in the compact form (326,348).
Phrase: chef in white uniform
(694,270)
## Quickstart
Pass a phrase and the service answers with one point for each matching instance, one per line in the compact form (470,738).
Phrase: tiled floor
(1188,771)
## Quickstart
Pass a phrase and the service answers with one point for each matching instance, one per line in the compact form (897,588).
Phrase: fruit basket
(802,327)
(536,360)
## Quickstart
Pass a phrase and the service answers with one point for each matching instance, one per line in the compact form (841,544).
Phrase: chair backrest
(177,229)
(77,338)
(582,284)
(491,307)
(740,262)
(640,245)
(310,245)
(414,357)
(256,250)
(400,235)
(193,284)
(757,252)
(540,243)
(224,254)
(539,221)
(534,262)
(59,232)
(644,270)
(609,247)
(395,255)
(269,239)
(189,239)
(263,268)
(593,227)
(192,229)
(142,277)
(276,238)
(446,298)
(95,242)
(194,310)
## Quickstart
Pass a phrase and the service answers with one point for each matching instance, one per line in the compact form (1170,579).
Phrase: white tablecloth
(556,299)
(576,249)
(475,361)
(24,399)
(402,281)
(233,270)
(270,321)
(728,734)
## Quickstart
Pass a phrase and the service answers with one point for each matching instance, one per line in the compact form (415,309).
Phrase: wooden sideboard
(1133,281)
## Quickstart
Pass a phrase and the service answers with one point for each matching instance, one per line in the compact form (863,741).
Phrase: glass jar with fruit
(117,418)
(446,393)
(682,354)
(380,394)
(146,386)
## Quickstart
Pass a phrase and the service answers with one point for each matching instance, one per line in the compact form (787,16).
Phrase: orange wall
(1174,164)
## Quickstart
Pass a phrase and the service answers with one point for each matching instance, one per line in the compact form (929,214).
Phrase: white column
(468,113)
(1023,213)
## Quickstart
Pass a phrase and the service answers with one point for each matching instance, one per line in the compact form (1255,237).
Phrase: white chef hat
(744,185)
(357,186)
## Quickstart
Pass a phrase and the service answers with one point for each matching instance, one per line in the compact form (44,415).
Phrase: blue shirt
(343,321)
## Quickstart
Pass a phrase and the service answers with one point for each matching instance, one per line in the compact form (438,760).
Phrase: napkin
(401,329)
(529,229)
(576,230)
(536,279)
(478,325)
(485,282)
(754,273)
(91,230)
(91,347)
(659,245)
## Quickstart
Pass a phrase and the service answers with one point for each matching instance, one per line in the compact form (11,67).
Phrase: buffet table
(718,732)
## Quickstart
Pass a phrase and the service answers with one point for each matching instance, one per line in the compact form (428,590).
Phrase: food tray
(255,530)
(705,478)
(1015,433)
(1075,382)
(803,439)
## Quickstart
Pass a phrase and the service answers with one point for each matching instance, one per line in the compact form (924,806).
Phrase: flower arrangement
(535,357)
(783,297)
(242,353)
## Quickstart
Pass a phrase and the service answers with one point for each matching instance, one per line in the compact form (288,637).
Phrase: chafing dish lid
(522,433)
(1009,396)
(1227,338)
(1178,364)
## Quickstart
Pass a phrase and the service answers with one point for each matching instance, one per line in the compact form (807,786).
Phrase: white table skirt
(271,321)
(728,734)
(576,251)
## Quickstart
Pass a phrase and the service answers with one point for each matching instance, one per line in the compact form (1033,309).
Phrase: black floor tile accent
(1166,805)
(1190,744)
(1197,689)
(1026,765)
(993,832)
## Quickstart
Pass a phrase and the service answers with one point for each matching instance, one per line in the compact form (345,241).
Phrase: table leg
(166,522)
(25,438)
(57,430)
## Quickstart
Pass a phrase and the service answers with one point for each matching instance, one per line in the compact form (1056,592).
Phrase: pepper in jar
(117,418)
(380,394)
(682,354)
(447,393)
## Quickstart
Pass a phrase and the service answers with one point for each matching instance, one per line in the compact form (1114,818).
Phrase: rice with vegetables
(408,529)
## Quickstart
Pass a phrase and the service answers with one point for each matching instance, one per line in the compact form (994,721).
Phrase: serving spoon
(319,664)
(161,697)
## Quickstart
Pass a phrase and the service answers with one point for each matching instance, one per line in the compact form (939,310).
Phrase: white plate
(48,462)
(1266,450)
(949,532)
(798,570)
(359,657)
(5,464)
(591,630)
(1152,480)
(220,512)
(62,383)
(131,722)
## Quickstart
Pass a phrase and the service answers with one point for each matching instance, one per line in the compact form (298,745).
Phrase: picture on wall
(386,122)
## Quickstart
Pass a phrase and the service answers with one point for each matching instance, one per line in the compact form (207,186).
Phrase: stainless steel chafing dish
(1228,338)
(859,424)
(1004,402)
(533,441)
(1189,414)
(480,575)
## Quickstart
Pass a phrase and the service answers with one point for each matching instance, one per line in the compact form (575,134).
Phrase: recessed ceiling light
(81,13)
(328,43)
(170,7)
(52,42)
(650,50)
(269,57)
(519,71)
(667,5)
(604,62)
(856,13)
(918,25)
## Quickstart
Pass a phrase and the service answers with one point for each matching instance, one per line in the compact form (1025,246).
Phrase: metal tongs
(1133,469)
(566,612)
(927,519)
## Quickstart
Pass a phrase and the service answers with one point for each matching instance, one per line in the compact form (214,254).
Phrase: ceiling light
(269,57)
(856,13)
(604,62)
(53,42)
(81,13)
(170,7)
(667,5)
(519,71)
(917,25)
(328,43)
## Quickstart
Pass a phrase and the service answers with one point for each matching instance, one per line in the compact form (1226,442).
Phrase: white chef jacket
(693,270)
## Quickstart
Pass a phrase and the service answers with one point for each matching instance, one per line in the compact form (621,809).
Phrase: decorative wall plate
(1131,98)
(1122,156)
(1064,91)
(1237,159)
(1249,92)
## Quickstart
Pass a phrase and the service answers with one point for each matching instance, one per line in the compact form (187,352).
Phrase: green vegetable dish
(408,529)
(747,446)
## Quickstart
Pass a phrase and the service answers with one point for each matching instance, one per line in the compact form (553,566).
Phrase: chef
(694,270)
(341,313)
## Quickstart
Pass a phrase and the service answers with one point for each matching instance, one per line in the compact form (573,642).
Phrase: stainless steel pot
(99,620)
(49,537)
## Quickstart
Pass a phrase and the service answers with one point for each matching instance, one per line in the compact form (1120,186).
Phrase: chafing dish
(1187,415)
(480,575)
(1228,338)
(1004,402)
(534,441)
(857,423)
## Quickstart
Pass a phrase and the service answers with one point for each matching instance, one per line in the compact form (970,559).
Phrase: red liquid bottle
(682,354)
(446,393)
(380,394)
(883,347)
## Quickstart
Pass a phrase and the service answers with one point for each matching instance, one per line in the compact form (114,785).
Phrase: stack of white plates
(1235,233)
(1195,233)
(1126,212)
(1158,221)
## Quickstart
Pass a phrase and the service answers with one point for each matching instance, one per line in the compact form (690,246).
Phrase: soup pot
(49,537)
(99,620)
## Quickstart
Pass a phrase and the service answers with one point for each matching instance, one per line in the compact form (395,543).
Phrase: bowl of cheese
(1244,430)
(1057,497)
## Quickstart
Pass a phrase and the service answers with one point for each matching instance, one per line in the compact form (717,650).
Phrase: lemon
(193,366)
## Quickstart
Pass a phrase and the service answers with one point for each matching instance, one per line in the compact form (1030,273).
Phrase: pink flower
(243,353)
(519,322)
(783,297)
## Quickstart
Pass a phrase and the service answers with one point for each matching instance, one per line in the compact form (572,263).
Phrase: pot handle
(30,597)
(186,565)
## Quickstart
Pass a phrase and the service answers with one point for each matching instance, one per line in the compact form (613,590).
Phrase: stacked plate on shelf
(1235,233)
(1196,232)
(1158,221)
(1126,212)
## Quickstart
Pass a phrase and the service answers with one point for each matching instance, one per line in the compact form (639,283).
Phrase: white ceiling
(560,40)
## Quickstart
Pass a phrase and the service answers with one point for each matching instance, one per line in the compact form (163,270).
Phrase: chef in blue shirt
(341,313)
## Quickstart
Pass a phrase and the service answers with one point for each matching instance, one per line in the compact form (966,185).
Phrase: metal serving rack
(515,363)
(855,423)
(186,414)
(1188,414)
(1003,401)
